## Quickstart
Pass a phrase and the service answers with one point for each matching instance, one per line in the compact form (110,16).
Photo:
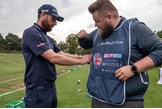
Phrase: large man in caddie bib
(123,50)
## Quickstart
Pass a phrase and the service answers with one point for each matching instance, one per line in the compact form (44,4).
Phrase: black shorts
(41,97)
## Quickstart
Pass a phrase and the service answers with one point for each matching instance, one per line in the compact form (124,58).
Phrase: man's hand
(86,59)
(124,73)
(82,34)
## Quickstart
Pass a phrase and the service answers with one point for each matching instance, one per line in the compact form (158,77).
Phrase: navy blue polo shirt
(39,71)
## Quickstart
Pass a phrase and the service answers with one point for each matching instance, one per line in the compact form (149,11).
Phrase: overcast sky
(17,15)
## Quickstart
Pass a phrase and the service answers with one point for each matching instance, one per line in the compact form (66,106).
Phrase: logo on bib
(97,60)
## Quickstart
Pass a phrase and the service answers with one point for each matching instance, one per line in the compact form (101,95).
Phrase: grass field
(11,78)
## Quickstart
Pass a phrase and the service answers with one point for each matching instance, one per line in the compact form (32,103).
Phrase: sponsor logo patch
(41,44)
(113,55)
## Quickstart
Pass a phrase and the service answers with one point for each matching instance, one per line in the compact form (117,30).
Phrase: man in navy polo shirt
(41,54)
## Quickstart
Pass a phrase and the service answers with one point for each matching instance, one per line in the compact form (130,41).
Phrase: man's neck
(38,23)
(116,22)
(41,27)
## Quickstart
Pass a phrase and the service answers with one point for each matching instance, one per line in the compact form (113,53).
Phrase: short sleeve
(33,40)
(56,48)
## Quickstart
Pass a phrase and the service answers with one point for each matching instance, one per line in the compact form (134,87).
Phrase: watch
(134,69)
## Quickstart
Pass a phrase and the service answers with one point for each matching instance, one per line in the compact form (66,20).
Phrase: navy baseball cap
(51,10)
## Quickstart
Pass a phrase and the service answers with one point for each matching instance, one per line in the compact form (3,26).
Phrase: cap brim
(58,18)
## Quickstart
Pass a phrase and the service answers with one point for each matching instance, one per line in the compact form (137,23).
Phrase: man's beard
(106,31)
(46,26)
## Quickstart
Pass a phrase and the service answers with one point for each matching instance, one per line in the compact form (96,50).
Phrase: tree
(1,42)
(62,46)
(72,44)
(12,42)
(159,33)
(1,38)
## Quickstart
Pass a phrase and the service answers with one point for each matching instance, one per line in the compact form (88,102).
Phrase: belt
(44,87)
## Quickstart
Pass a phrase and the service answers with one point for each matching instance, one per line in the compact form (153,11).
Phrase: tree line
(12,42)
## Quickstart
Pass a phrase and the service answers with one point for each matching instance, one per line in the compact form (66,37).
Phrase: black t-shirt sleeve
(87,43)
(35,42)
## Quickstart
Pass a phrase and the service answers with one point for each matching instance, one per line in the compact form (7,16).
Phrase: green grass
(12,66)
(153,97)
(67,89)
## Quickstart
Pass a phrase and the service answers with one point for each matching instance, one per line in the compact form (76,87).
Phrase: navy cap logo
(47,8)
(45,11)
